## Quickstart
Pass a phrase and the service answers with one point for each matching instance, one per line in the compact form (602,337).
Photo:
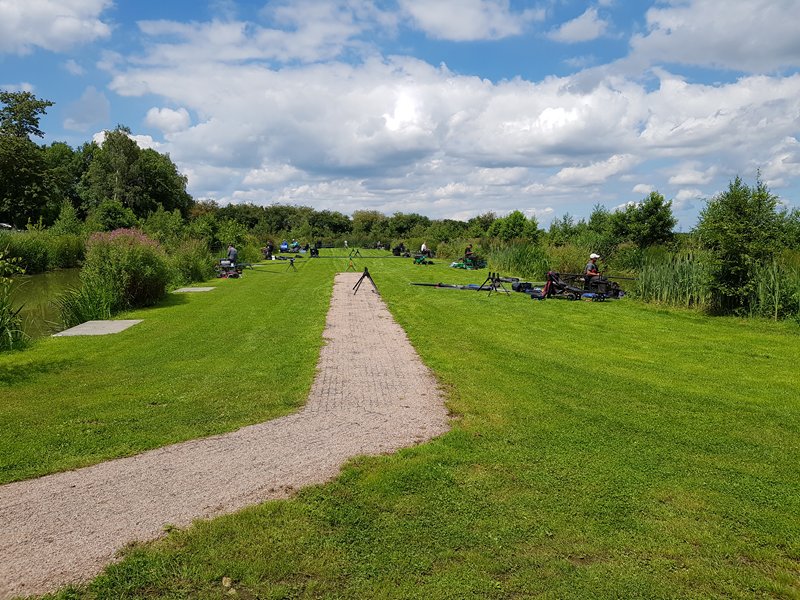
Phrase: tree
(646,223)
(24,194)
(19,116)
(740,227)
(141,180)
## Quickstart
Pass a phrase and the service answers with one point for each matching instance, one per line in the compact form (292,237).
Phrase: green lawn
(608,450)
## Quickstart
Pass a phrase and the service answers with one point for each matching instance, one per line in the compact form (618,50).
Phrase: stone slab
(193,289)
(99,327)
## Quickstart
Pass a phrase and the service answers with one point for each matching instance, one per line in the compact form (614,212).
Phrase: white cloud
(167,119)
(587,27)
(752,36)
(92,109)
(643,188)
(596,172)
(55,25)
(143,141)
(73,68)
(685,199)
(22,86)
(398,133)
(464,20)
(688,174)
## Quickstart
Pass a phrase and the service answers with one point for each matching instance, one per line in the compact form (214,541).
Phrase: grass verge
(603,450)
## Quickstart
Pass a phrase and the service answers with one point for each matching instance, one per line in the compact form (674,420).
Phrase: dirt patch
(371,395)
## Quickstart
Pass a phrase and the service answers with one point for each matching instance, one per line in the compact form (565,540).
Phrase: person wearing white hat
(591,269)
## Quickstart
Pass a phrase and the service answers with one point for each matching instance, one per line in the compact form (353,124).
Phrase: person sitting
(468,251)
(284,246)
(295,245)
(591,272)
(233,254)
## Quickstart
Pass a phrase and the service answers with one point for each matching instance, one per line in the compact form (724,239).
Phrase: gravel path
(371,395)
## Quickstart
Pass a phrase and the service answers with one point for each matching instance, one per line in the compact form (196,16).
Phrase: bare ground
(372,395)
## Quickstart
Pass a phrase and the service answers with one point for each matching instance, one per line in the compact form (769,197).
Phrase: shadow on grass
(12,375)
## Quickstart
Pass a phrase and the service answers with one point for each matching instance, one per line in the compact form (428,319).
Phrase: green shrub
(191,261)
(86,303)
(674,278)
(132,263)
(65,251)
(519,259)
(40,251)
(776,290)
(11,334)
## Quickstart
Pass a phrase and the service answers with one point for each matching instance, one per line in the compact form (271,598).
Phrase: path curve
(371,395)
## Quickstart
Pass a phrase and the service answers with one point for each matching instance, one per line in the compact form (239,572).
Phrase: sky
(447,108)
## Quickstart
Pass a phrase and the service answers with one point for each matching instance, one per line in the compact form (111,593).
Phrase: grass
(199,364)
(602,450)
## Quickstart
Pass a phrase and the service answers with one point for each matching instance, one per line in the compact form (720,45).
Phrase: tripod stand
(366,275)
(353,253)
(495,284)
(290,266)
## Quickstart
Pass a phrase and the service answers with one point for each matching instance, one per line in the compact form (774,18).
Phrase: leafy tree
(407,224)
(479,226)
(163,226)
(19,116)
(140,180)
(110,215)
(515,226)
(646,223)
(446,230)
(231,232)
(67,221)
(741,228)
(370,224)
(24,193)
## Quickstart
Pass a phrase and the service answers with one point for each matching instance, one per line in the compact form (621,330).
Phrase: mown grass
(609,450)
(199,364)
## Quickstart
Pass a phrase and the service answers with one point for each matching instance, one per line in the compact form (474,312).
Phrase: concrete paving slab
(193,289)
(99,327)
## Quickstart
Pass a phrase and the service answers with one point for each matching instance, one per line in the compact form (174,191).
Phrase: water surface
(36,294)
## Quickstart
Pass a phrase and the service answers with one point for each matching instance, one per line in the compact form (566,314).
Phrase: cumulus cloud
(753,36)
(91,110)
(55,25)
(143,141)
(584,28)
(275,121)
(463,20)
(690,174)
(73,68)
(596,172)
(167,119)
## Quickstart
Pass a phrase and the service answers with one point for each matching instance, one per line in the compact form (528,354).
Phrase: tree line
(116,184)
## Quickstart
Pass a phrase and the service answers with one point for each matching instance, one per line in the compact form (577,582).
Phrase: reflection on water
(36,294)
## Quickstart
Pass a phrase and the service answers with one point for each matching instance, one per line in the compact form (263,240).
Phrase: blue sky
(449,108)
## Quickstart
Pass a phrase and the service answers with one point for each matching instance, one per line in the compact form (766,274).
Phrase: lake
(35,293)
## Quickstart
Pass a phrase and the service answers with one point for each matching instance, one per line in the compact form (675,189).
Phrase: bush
(11,334)
(520,259)
(40,251)
(191,261)
(125,269)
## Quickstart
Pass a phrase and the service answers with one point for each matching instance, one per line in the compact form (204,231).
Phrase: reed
(776,290)
(676,279)
(11,334)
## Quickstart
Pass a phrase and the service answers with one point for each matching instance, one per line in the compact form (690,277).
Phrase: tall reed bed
(677,279)
(123,269)
(522,260)
(776,293)
(11,334)
(40,251)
